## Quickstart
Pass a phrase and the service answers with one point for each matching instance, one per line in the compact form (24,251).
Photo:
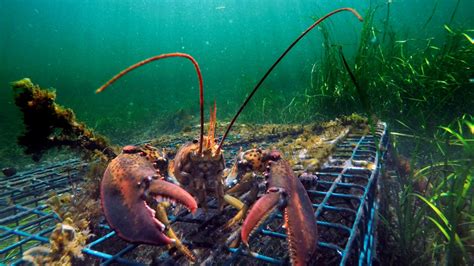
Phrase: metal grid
(25,221)
(344,196)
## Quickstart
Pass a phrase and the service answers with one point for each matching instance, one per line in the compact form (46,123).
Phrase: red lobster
(130,180)
(129,183)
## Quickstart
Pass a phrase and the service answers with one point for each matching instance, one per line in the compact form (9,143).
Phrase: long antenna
(278,61)
(162,56)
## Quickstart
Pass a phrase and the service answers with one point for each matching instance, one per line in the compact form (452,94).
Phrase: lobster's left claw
(128,182)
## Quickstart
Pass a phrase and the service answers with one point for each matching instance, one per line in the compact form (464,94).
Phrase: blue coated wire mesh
(25,221)
(343,192)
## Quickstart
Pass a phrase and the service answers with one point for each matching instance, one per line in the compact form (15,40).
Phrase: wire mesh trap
(344,194)
(25,220)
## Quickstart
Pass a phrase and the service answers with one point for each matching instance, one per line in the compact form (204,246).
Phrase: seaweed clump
(49,124)
(68,238)
(79,217)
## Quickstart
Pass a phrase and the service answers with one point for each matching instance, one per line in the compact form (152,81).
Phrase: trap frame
(344,194)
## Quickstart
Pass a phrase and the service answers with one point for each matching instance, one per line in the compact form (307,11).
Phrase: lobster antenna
(278,61)
(162,56)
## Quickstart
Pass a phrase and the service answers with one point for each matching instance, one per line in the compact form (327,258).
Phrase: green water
(75,46)
(412,61)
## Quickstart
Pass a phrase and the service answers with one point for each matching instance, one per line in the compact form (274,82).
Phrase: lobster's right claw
(129,181)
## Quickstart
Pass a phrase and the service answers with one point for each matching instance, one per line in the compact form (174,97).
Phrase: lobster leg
(219,189)
(161,214)
(239,205)
(245,184)
(242,206)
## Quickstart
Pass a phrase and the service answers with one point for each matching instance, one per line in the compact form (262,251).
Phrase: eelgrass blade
(431,16)
(447,229)
(437,211)
(457,135)
(440,227)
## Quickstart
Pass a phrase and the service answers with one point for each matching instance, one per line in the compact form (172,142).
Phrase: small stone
(298,167)
(303,154)
(9,171)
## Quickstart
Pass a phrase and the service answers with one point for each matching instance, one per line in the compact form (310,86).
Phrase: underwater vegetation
(50,125)
(426,83)
(68,238)
(418,80)
(431,205)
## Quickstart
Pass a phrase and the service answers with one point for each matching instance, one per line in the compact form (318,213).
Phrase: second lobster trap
(344,194)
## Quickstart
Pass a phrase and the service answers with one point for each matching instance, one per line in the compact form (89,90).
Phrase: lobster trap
(344,194)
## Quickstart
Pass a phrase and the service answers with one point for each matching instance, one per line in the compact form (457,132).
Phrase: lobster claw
(273,199)
(129,181)
(288,194)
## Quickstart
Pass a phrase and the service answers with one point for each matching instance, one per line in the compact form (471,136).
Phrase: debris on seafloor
(70,235)
(49,124)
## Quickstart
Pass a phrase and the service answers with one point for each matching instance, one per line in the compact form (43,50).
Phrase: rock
(9,171)
(303,154)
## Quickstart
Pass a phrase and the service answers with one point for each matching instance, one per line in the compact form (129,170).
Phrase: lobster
(136,180)
(131,179)
(128,178)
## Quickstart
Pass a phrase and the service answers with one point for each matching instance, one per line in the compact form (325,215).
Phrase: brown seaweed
(49,124)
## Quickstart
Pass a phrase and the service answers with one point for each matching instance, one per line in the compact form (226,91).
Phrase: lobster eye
(161,163)
(145,183)
(195,141)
